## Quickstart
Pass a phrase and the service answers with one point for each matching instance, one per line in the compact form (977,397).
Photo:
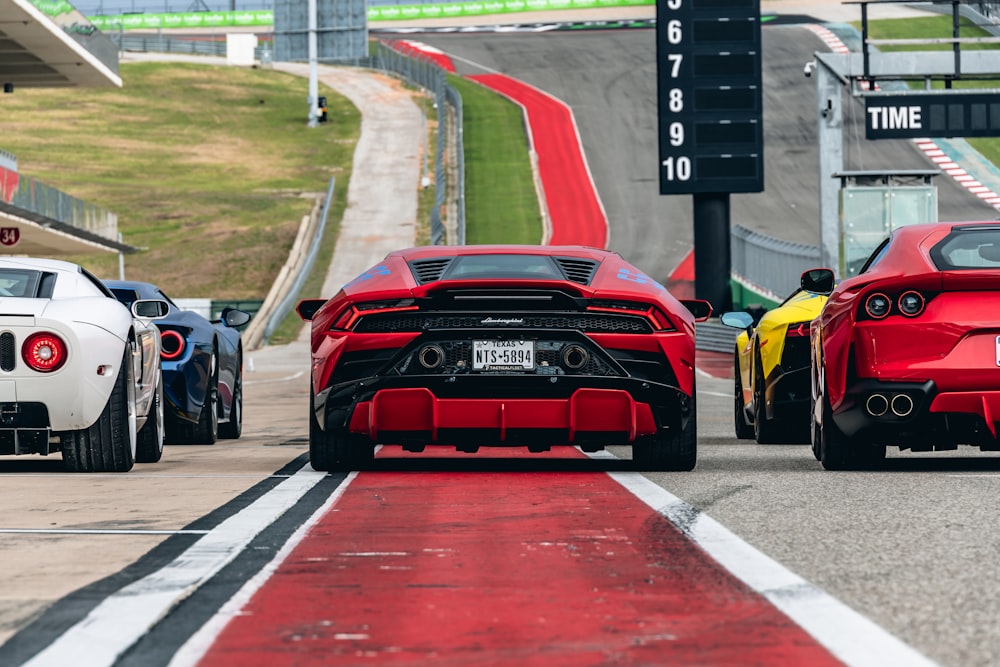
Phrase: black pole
(712,258)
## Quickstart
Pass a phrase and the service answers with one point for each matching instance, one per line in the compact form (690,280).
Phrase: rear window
(26,283)
(968,248)
(538,267)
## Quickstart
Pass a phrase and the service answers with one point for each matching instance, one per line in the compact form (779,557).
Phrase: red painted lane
(574,209)
(503,569)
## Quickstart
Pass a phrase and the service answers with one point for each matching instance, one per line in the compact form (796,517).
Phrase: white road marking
(199,643)
(97,531)
(121,619)
(715,393)
(848,635)
(287,378)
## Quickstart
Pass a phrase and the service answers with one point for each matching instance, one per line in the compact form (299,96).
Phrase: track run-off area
(241,554)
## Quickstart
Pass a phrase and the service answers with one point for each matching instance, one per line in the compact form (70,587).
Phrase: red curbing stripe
(575,211)
(505,568)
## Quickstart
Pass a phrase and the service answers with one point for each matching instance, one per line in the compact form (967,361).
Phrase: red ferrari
(503,346)
(907,352)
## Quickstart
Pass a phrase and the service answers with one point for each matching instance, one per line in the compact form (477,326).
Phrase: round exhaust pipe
(877,405)
(431,356)
(575,357)
(902,405)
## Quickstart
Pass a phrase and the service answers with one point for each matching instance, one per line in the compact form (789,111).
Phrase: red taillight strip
(174,339)
(652,314)
(798,329)
(349,318)
(44,352)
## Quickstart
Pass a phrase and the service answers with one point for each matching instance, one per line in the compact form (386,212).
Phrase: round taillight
(171,344)
(911,303)
(878,305)
(44,352)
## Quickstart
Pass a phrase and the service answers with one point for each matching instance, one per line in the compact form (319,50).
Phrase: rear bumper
(503,410)
(938,417)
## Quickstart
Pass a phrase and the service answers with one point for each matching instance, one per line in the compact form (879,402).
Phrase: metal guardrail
(769,265)
(288,300)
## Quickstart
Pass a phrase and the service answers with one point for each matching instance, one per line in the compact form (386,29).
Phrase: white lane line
(714,393)
(199,643)
(97,531)
(121,619)
(139,475)
(287,378)
(848,635)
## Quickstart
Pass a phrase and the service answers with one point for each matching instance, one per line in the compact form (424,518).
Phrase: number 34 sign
(9,236)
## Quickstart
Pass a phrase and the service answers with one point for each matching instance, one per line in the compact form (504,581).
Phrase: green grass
(209,168)
(931,27)
(501,204)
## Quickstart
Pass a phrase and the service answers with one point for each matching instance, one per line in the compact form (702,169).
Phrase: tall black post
(712,257)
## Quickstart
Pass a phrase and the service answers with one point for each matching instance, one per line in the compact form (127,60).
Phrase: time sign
(711,131)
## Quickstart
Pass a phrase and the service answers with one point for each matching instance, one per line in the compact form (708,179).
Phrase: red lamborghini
(503,345)
(907,352)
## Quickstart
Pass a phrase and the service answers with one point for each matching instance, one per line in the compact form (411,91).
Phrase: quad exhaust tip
(902,405)
(877,405)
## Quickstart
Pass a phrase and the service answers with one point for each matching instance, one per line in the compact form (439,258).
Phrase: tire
(670,451)
(107,445)
(233,429)
(206,431)
(765,431)
(744,431)
(337,450)
(149,442)
(838,452)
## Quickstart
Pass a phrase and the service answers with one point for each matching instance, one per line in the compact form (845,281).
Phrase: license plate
(503,354)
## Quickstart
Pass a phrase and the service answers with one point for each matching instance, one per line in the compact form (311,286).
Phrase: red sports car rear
(501,345)
(907,353)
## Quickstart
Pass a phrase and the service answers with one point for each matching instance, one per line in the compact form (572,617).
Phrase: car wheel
(337,450)
(670,451)
(233,428)
(766,432)
(838,452)
(744,431)
(206,431)
(149,443)
(107,445)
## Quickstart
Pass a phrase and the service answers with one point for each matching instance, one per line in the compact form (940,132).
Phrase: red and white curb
(929,147)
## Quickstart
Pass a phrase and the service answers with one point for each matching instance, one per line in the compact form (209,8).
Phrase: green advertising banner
(265,18)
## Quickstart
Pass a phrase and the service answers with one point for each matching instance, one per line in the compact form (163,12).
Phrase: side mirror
(307,308)
(700,308)
(737,319)
(234,317)
(150,309)
(818,281)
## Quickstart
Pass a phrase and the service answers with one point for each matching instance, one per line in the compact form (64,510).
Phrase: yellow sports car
(771,369)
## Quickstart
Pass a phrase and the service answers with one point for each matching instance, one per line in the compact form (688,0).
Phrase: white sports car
(79,372)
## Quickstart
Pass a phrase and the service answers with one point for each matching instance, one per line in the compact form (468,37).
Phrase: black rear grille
(650,366)
(795,354)
(418,321)
(8,351)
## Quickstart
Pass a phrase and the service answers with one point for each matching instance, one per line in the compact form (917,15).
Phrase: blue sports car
(202,364)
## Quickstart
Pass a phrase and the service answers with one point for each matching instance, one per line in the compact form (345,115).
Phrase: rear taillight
(172,345)
(878,306)
(798,330)
(656,317)
(44,352)
(911,303)
(349,317)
